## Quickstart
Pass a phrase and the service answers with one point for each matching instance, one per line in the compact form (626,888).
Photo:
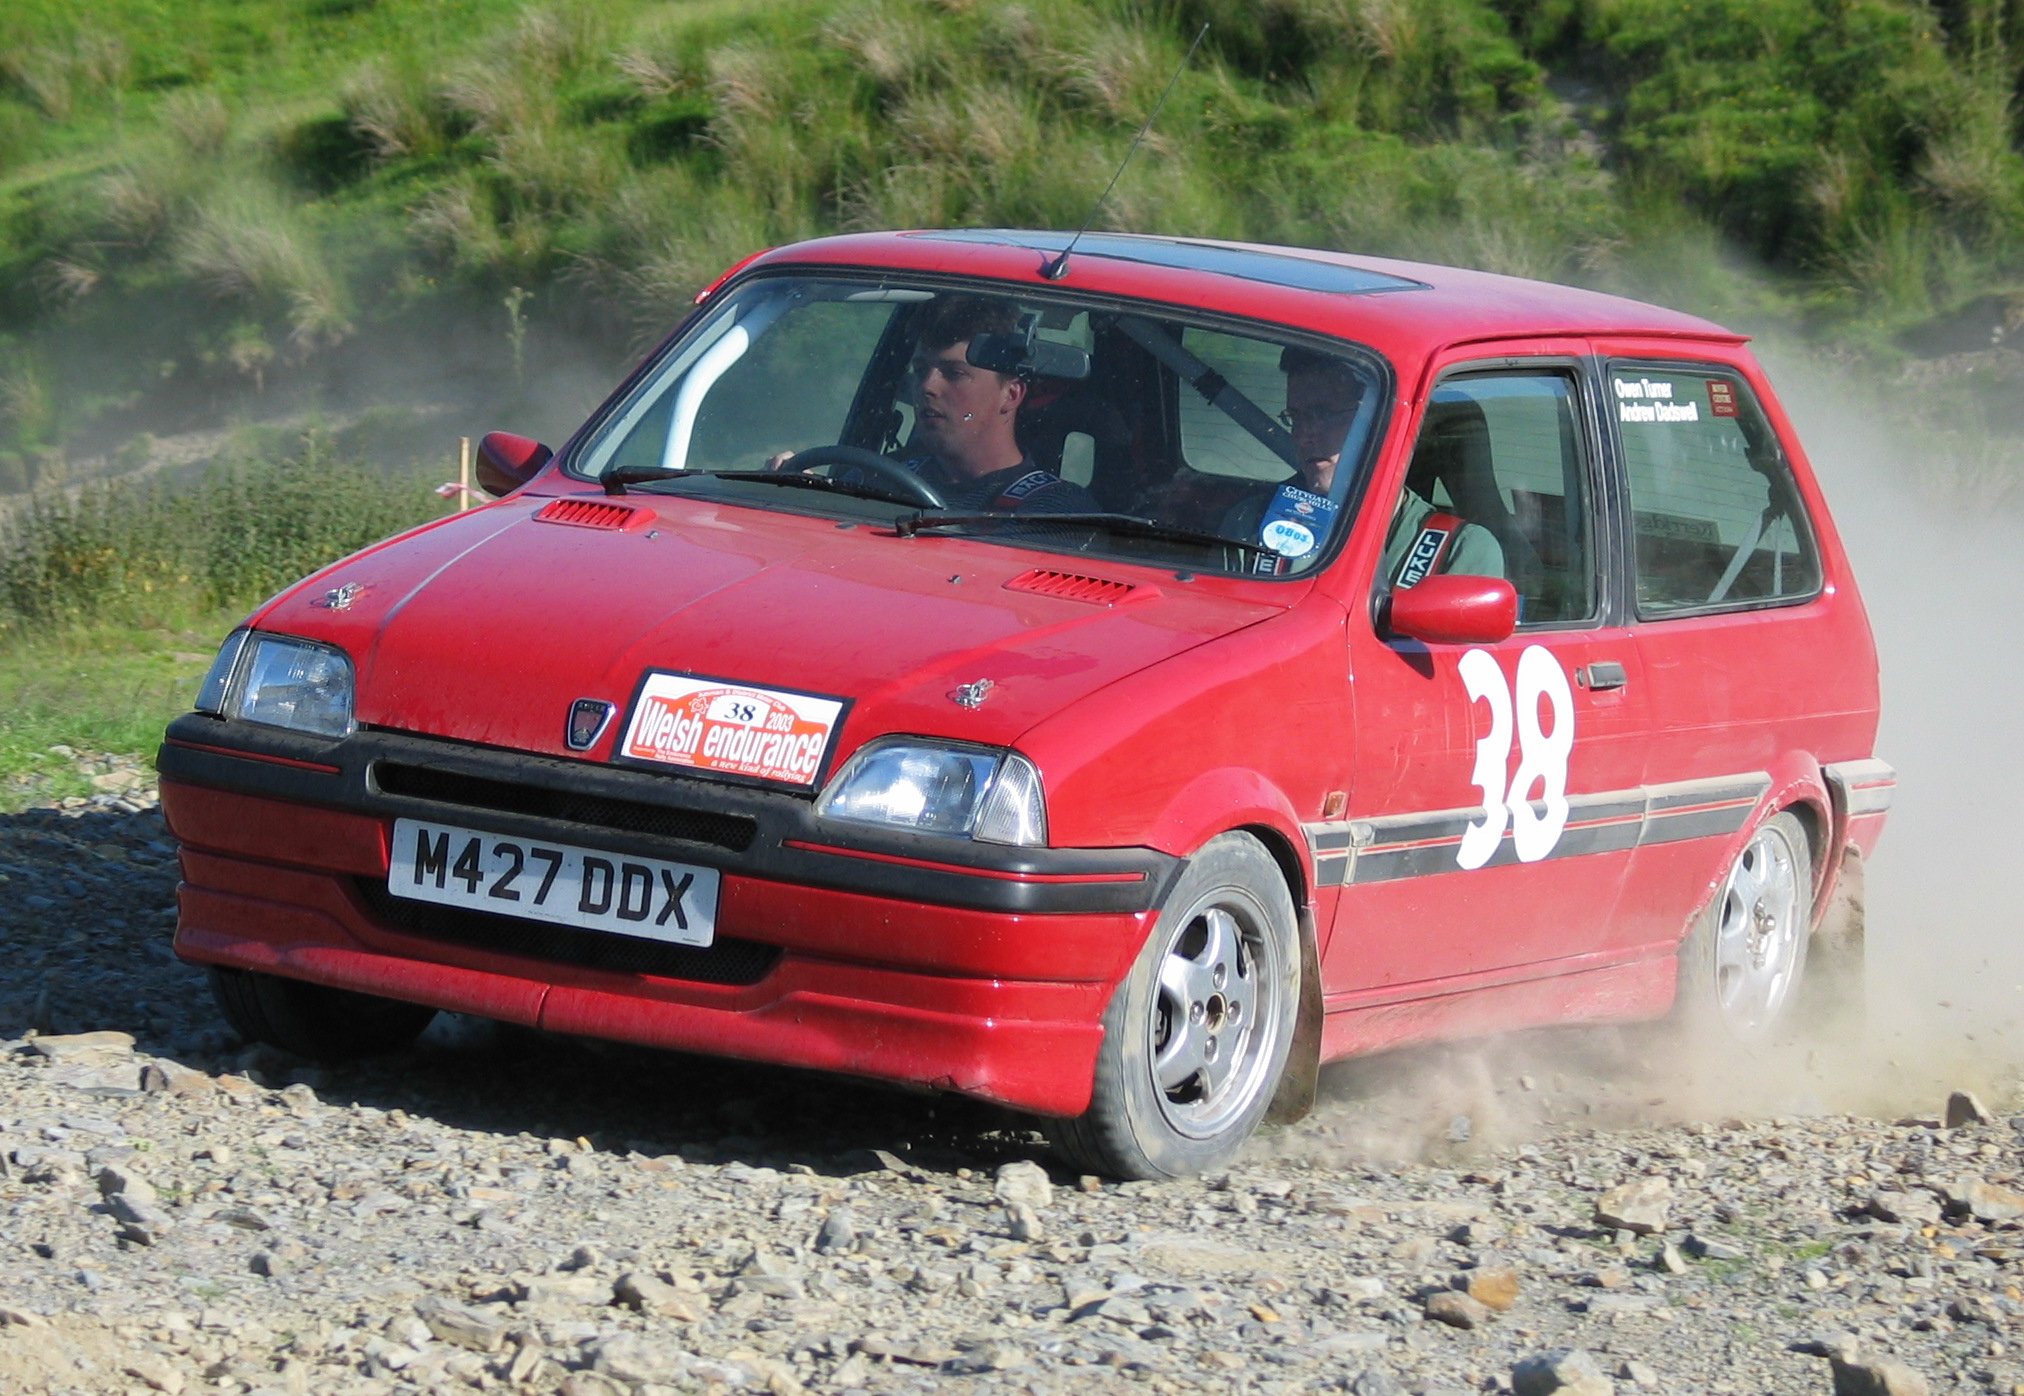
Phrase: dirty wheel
(1197,1035)
(1740,967)
(313,1021)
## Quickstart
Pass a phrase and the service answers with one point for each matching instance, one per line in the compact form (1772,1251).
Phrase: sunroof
(1273,268)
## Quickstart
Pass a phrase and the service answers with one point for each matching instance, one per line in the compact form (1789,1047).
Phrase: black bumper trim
(276,764)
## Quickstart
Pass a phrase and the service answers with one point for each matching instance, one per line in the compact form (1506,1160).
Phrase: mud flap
(1832,1001)
(1297,1083)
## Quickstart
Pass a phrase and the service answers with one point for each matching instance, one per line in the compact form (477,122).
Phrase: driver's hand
(778,460)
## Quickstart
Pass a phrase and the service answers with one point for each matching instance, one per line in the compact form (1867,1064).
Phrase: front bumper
(868,953)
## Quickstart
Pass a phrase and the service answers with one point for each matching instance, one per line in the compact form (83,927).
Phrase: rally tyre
(313,1021)
(1196,1037)
(1742,964)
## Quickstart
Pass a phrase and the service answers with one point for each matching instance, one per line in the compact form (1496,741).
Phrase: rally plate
(593,890)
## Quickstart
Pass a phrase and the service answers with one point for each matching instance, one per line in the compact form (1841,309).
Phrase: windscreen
(1033,420)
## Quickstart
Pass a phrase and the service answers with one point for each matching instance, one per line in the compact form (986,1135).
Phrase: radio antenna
(1058,268)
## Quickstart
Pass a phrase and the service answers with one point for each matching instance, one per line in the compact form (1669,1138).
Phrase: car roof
(1396,306)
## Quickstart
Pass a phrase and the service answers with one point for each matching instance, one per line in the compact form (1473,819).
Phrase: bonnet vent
(592,513)
(1073,586)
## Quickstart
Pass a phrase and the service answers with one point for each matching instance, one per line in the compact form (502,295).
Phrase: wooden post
(463,473)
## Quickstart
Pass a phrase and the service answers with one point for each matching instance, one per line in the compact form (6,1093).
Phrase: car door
(1496,800)
(1758,669)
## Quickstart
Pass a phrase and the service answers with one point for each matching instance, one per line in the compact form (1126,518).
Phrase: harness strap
(1429,550)
(1031,483)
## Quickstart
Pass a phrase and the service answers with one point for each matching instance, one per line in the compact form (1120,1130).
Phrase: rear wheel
(313,1021)
(1197,1035)
(1741,965)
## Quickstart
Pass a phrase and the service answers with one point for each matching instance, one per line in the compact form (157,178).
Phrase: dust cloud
(1936,550)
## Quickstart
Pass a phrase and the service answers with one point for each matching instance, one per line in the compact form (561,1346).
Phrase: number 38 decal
(1542,756)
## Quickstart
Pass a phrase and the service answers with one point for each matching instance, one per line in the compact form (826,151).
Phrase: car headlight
(280,681)
(983,793)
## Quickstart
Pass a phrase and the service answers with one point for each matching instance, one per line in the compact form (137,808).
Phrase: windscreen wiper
(615,481)
(1135,525)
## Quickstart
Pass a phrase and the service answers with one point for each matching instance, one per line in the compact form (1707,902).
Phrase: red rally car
(1106,679)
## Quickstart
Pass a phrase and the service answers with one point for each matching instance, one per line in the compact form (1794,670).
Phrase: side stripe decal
(1396,846)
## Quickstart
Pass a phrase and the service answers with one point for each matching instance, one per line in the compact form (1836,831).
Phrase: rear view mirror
(506,462)
(1455,610)
(1028,356)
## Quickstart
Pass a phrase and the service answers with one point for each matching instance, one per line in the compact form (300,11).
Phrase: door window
(1716,517)
(1502,452)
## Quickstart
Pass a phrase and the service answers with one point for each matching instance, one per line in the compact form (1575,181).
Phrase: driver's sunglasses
(1293,417)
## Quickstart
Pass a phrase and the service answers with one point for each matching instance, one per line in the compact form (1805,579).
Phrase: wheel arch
(1798,789)
(1299,1080)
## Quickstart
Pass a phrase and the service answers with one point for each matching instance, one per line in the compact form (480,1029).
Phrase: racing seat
(1067,429)
(1452,465)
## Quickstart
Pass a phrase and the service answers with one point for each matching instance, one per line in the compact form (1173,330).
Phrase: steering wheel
(912,485)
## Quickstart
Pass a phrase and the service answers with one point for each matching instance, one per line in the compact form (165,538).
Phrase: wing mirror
(1451,609)
(506,462)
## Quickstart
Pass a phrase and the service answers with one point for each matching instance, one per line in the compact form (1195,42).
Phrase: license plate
(557,882)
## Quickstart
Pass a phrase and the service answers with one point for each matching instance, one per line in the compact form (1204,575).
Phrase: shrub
(239,533)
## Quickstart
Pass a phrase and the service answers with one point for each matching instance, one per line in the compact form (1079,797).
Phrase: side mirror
(1450,609)
(506,462)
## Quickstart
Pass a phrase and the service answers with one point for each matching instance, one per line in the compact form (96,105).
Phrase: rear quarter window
(1716,517)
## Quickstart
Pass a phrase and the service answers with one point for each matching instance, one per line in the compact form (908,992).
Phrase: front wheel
(1741,965)
(1196,1037)
(313,1021)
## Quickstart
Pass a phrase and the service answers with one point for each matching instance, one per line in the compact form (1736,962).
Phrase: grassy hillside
(260,259)
(213,209)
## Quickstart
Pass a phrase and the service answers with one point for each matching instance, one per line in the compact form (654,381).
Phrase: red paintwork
(1004,1006)
(1160,710)
(1456,610)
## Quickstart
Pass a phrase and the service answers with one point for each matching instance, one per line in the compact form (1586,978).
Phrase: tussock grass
(894,42)
(197,121)
(247,245)
(1864,159)
(392,107)
(55,76)
(137,202)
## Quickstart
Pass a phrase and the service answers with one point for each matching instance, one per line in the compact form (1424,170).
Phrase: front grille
(726,961)
(727,831)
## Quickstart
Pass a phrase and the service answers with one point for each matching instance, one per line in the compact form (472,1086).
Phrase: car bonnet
(489,627)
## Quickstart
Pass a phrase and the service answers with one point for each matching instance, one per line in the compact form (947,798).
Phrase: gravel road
(501,1211)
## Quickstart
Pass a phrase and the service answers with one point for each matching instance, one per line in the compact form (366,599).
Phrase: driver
(965,440)
(966,418)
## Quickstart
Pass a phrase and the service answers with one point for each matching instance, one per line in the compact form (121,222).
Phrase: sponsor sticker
(1651,400)
(1425,553)
(1295,521)
(731,729)
(1288,538)
(1721,397)
(1032,482)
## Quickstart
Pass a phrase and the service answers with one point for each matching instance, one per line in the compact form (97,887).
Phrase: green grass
(99,690)
(206,201)
(112,602)
(230,190)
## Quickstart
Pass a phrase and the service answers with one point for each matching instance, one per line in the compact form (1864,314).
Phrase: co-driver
(1322,397)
